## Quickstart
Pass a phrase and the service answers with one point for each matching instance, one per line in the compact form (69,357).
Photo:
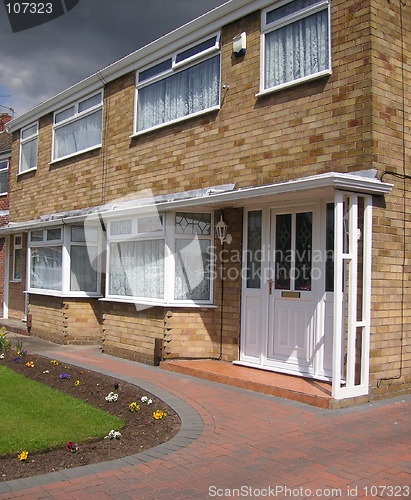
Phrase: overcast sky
(37,63)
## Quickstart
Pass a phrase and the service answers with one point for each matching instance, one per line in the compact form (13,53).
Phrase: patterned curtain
(297,50)
(137,269)
(184,93)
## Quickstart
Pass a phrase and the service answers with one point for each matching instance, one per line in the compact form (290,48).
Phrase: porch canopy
(215,197)
(352,194)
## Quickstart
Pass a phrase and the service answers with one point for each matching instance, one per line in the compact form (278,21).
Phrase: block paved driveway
(240,444)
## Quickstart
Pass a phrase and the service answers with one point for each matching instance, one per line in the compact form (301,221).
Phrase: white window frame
(267,28)
(76,116)
(17,246)
(132,236)
(65,243)
(175,67)
(4,167)
(26,140)
(89,242)
(169,237)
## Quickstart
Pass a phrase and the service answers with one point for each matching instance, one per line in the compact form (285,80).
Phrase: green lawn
(34,417)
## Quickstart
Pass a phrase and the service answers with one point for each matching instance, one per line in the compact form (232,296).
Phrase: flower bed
(142,429)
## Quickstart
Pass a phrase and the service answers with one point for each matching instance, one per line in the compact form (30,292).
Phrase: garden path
(239,444)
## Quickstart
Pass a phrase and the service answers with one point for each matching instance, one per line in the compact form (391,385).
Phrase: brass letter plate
(291,295)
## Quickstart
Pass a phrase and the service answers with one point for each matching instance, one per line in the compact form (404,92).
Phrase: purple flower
(64,375)
(17,360)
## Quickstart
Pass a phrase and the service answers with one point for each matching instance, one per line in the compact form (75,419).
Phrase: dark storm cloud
(37,63)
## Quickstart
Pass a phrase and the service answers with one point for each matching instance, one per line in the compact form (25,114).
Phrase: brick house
(235,190)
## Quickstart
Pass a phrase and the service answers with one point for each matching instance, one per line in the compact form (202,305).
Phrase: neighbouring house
(237,190)
(5,154)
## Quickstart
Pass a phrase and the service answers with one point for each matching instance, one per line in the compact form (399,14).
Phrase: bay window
(296,38)
(78,128)
(161,259)
(62,261)
(46,259)
(192,256)
(185,84)
(84,254)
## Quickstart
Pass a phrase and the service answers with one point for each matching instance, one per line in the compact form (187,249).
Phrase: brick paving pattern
(240,444)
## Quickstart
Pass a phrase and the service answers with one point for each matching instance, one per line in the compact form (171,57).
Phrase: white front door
(287,301)
(291,322)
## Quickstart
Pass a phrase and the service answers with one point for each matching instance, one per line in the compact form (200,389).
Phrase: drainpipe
(404,177)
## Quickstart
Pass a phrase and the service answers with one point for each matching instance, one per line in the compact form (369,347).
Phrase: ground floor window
(17,257)
(62,261)
(137,269)
(164,258)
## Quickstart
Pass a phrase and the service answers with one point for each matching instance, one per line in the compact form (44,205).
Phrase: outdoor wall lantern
(221,230)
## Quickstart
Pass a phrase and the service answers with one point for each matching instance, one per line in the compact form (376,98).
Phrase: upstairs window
(28,148)
(78,128)
(4,176)
(184,85)
(296,43)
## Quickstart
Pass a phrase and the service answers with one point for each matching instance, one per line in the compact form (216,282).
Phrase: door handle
(270,286)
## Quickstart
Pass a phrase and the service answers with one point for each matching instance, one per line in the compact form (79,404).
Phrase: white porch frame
(348,319)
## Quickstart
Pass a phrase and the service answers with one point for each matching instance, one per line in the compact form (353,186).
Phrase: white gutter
(180,37)
(361,182)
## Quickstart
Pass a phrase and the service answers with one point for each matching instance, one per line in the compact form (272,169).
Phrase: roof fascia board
(67,96)
(184,35)
(189,32)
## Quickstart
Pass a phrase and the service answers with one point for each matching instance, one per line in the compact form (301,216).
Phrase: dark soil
(141,430)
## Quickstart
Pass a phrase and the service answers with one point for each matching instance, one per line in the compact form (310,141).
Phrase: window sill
(172,122)
(57,160)
(27,171)
(57,293)
(294,83)
(159,303)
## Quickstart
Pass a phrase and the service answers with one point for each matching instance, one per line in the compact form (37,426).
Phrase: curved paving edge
(190,430)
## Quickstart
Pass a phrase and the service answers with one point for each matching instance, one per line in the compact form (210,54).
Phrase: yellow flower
(77,383)
(159,414)
(23,456)
(54,362)
(134,406)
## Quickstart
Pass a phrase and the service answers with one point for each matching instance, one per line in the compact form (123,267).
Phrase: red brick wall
(4,118)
